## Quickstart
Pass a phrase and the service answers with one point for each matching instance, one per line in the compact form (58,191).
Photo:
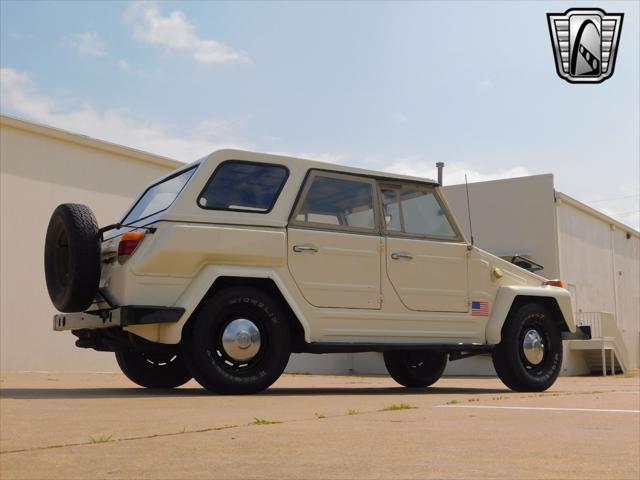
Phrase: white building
(597,257)
(41,167)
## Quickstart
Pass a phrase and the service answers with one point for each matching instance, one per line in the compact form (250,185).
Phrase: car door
(425,255)
(334,245)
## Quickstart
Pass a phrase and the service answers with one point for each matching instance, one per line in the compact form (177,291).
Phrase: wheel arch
(509,299)
(267,284)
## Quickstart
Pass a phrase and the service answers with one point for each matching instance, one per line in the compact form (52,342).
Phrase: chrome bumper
(116,317)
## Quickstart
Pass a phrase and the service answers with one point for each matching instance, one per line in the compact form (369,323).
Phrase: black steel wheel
(153,370)
(415,368)
(529,355)
(239,342)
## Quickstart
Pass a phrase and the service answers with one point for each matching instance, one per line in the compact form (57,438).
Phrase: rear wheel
(239,343)
(529,355)
(153,370)
(415,369)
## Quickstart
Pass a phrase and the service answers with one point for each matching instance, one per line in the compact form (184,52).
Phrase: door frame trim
(441,201)
(312,174)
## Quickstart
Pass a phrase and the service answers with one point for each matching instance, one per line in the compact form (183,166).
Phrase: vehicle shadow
(83,393)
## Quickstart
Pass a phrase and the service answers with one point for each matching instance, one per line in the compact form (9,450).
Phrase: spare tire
(72,257)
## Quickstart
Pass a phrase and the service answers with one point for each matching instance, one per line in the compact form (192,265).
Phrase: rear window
(243,186)
(158,197)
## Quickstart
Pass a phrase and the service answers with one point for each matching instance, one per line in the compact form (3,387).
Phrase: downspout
(558,254)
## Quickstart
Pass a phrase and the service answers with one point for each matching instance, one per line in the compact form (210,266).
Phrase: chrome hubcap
(533,347)
(241,339)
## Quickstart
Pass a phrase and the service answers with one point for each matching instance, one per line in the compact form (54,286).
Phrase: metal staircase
(605,350)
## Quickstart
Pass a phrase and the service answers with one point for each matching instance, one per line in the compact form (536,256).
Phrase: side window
(415,212)
(243,186)
(335,201)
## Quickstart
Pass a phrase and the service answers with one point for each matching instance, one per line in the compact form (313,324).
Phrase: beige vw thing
(222,269)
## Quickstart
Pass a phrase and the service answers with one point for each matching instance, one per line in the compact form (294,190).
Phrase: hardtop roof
(235,154)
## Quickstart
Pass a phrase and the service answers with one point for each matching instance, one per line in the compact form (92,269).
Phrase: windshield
(158,197)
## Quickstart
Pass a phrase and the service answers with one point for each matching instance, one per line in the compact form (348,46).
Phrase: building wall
(600,263)
(587,250)
(512,216)
(39,169)
(627,275)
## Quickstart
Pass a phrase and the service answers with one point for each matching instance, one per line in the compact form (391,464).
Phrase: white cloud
(20,96)
(87,44)
(176,32)
(126,67)
(453,172)
(123,65)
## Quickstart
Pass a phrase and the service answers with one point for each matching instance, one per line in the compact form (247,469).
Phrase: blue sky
(390,86)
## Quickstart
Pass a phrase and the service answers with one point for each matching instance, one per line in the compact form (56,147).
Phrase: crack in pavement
(254,424)
(183,432)
(125,439)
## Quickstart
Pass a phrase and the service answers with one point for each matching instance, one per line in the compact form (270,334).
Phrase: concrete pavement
(101,426)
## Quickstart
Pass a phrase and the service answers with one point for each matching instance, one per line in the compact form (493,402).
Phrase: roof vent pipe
(440,166)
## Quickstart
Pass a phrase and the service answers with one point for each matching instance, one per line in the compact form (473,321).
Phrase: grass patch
(320,415)
(501,397)
(352,412)
(262,421)
(101,439)
(473,400)
(452,402)
(400,406)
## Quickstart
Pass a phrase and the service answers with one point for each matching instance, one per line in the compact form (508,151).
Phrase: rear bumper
(118,316)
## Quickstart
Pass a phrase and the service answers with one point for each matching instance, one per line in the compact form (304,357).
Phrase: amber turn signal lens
(128,243)
(554,283)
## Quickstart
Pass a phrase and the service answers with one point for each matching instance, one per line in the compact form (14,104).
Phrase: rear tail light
(554,283)
(128,243)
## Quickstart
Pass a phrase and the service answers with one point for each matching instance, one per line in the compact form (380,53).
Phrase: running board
(339,347)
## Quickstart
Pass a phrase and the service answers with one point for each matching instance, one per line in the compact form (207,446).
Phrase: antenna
(466,184)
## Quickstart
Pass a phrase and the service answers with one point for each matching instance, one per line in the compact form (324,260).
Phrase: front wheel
(240,342)
(529,355)
(153,370)
(415,369)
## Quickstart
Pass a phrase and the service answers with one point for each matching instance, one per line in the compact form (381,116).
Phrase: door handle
(305,248)
(401,256)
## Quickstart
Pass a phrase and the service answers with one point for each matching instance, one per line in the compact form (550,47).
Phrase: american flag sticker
(479,309)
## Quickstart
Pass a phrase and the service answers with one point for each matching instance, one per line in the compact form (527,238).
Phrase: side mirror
(388,218)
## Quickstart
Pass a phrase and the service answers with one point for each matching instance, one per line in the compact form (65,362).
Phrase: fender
(506,296)
(196,291)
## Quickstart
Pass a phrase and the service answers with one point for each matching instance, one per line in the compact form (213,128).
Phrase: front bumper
(581,333)
(117,316)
